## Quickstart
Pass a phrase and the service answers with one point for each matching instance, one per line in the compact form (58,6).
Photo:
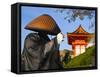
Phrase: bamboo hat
(44,23)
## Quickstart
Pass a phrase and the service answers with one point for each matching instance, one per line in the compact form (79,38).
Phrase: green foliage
(84,60)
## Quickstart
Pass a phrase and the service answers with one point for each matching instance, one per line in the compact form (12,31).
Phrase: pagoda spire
(80,29)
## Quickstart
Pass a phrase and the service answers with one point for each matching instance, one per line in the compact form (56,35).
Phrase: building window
(82,49)
(79,49)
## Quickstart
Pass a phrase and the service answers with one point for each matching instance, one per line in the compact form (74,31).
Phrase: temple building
(79,40)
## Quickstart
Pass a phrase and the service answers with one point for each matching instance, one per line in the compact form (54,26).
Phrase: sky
(30,13)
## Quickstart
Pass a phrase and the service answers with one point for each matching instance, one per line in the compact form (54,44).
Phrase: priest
(41,53)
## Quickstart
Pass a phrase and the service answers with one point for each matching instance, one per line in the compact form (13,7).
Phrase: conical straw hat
(44,23)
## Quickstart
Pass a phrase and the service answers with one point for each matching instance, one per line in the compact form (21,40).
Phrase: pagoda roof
(79,34)
(79,30)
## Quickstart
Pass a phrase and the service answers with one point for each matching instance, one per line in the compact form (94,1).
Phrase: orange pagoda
(79,40)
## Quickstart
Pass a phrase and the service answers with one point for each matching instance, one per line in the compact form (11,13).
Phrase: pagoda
(79,40)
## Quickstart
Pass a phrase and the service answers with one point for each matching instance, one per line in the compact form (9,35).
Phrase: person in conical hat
(41,53)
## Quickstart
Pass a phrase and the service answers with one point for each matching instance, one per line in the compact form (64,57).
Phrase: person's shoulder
(34,36)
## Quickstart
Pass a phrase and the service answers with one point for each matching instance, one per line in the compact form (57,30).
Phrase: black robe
(40,53)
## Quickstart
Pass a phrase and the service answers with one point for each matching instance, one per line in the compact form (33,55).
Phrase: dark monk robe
(40,53)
